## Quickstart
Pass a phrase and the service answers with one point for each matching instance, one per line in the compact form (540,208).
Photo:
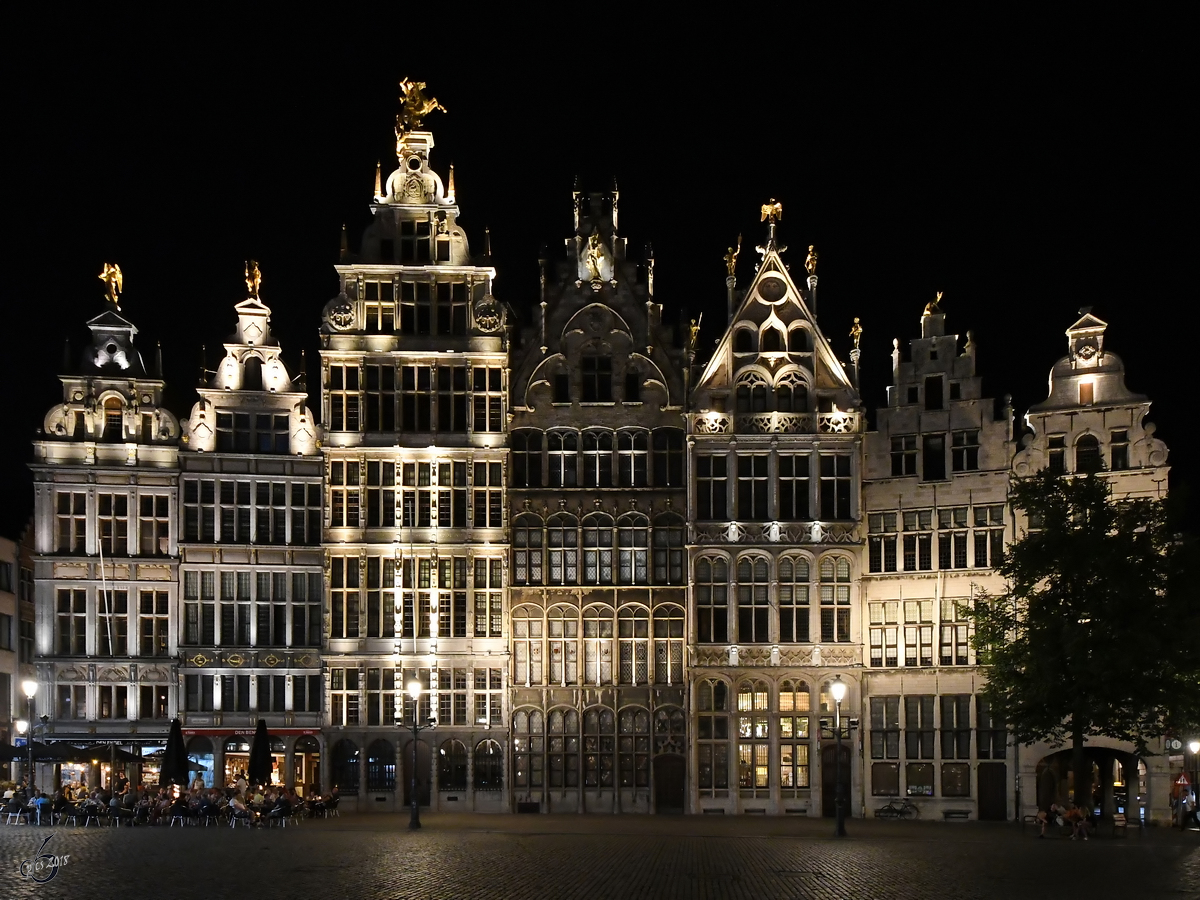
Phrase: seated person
(1048,817)
(282,808)
(1078,821)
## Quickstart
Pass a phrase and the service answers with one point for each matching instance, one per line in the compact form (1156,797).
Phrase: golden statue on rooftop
(414,106)
(935,306)
(856,332)
(114,283)
(810,262)
(253,278)
(731,257)
(772,211)
(594,256)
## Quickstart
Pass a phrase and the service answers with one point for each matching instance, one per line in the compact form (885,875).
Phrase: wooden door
(669,771)
(829,775)
(992,782)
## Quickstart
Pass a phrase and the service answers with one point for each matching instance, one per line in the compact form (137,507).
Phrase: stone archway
(1117,781)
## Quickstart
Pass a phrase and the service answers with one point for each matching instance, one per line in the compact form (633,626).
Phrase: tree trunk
(1081,766)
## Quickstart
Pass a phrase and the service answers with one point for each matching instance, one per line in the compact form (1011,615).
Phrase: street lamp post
(23,728)
(30,686)
(1194,746)
(414,691)
(838,689)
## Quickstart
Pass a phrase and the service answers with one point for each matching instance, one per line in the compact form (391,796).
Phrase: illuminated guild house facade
(597,498)
(413,397)
(105,547)
(1092,423)
(775,433)
(935,499)
(249,617)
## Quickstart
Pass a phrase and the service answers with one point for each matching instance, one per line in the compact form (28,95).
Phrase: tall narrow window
(563,542)
(904,455)
(597,459)
(452,308)
(452,399)
(344,398)
(563,456)
(381,398)
(344,494)
(1119,450)
(753,587)
(416,303)
(633,634)
(597,379)
(416,399)
(527,550)
(599,744)
(489,495)
(668,457)
(113,623)
(488,399)
(632,454)
(489,599)
(598,549)
(153,623)
(72,622)
(379,306)
(452,596)
(668,644)
(1057,454)
(416,501)
(964,450)
(343,597)
(381,597)
(753,739)
(835,599)
(881,542)
(794,609)
(918,632)
(452,493)
(633,541)
(884,633)
(835,486)
(711,486)
(752,487)
(668,549)
(712,724)
(933,392)
(112,517)
(1088,459)
(527,459)
(381,494)
(70,518)
(933,457)
(793,488)
(597,644)
(154,525)
(793,734)
(527,645)
(712,601)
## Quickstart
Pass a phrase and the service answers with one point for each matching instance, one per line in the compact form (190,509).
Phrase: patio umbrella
(259,769)
(8,752)
(174,761)
(111,752)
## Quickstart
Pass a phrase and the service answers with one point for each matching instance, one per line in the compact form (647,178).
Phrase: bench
(949,814)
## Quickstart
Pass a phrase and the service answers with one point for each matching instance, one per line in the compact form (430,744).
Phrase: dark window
(597,379)
(933,457)
(633,387)
(1120,450)
(1057,463)
(562,388)
(1087,455)
(955,390)
(933,392)
(904,455)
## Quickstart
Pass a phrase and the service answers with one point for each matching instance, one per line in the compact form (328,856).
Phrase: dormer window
(1120,450)
(1057,458)
(597,379)
(1086,392)
(113,416)
(772,341)
(414,242)
(1087,455)
(743,341)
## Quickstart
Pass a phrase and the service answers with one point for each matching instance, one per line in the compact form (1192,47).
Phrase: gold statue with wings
(772,211)
(414,106)
(253,278)
(114,282)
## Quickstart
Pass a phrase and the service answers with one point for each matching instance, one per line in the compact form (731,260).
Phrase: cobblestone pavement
(570,857)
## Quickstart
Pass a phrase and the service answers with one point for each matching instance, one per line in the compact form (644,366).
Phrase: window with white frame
(379,306)
(884,634)
(452,400)
(904,455)
(835,486)
(668,644)
(488,398)
(489,495)
(72,622)
(154,623)
(234,610)
(991,736)
(964,450)
(307,601)
(633,747)
(711,487)
(952,537)
(416,298)
(416,495)
(380,397)
(527,549)
(344,494)
(956,726)
(598,644)
(918,540)
(597,548)
(885,745)
(344,696)
(416,398)
(489,597)
(235,509)
(794,487)
(199,608)
(452,596)
(882,541)
(988,535)
(344,596)
(112,701)
(451,297)
(381,494)
(154,525)
(344,398)
(270,514)
(668,549)
(489,696)
(381,695)
(562,534)
(597,459)
(381,597)
(752,484)
(955,632)
(452,494)
(633,543)
(199,509)
(72,701)
(112,518)
(562,634)
(633,453)
(452,696)
(599,746)
(113,622)
(271,693)
(562,455)
(918,632)
(633,634)
(527,645)
(528,750)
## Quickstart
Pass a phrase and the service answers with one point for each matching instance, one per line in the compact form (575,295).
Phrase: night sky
(1024,173)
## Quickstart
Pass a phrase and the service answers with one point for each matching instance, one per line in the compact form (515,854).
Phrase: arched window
(597,549)
(527,458)
(1087,455)
(381,766)
(252,379)
(668,644)
(527,644)
(799,340)
(712,601)
(835,599)
(792,727)
(562,454)
(633,540)
(794,608)
(345,766)
(751,397)
(633,631)
(633,450)
(597,459)
(452,766)
(113,415)
(563,748)
(562,539)
(527,549)
(668,549)
(668,457)
(743,341)
(598,746)
(633,746)
(529,745)
(670,730)
(772,340)
(597,644)
(753,577)
(712,703)
(562,623)
(489,766)
(791,394)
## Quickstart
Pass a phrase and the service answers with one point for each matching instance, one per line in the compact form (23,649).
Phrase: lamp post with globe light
(414,691)
(1194,746)
(838,689)
(30,686)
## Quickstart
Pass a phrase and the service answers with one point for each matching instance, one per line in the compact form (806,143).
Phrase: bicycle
(898,809)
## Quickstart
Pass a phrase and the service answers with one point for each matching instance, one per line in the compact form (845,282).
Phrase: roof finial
(158,369)
(731,258)
(343,247)
(856,332)
(203,372)
(935,307)
(414,106)
(487,242)
(450,188)
(772,212)
(114,283)
(378,179)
